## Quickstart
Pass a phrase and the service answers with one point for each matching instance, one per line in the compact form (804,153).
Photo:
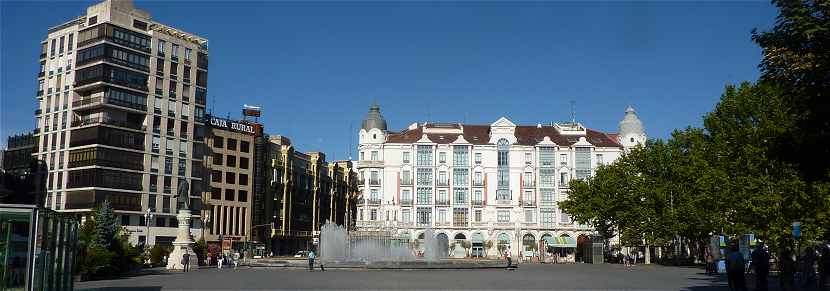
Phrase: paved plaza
(531,276)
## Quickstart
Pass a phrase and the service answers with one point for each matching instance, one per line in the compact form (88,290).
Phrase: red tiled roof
(525,135)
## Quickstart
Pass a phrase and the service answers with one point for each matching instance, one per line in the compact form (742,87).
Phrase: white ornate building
(477,183)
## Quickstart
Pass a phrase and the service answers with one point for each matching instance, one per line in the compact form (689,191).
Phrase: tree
(105,225)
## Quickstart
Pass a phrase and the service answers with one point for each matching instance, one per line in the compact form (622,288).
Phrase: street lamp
(147,218)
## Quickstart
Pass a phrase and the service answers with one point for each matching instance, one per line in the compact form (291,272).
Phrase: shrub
(157,254)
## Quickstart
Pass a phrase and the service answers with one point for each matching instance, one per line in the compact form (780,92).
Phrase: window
(478,158)
(244,146)
(156,144)
(424,196)
(477,215)
(229,194)
(527,180)
(503,216)
(599,160)
(167,184)
(460,156)
(174,70)
(218,142)
(528,158)
(375,156)
(406,196)
(424,177)
(563,179)
(460,195)
(243,163)
(243,196)
(175,51)
(424,155)
(405,216)
(243,179)
(183,128)
(442,157)
(460,177)
(564,218)
(93,20)
(442,196)
(424,216)
(406,177)
(171,108)
(159,71)
(406,157)
(373,178)
(169,145)
(187,53)
(216,176)
(160,48)
(362,156)
(547,195)
(459,217)
(215,193)
(217,159)
(230,178)
(139,24)
(442,215)
(230,161)
(547,216)
(442,178)
(182,167)
(582,167)
(154,183)
(69,42)
(563,159)
(231,144)
(477,197)
(529,215)
(546,177)
(52,51)
(479,179)
(161,222)
(157,105)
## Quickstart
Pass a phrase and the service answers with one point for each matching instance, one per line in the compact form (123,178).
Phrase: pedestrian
(710,262)
(735,265)
(311,257)
(209,256)
(634,258)
(185,262)
(787,266)
(235,259)
(808,269)
(509,259)
(824,268)
(760,260)
(219,260)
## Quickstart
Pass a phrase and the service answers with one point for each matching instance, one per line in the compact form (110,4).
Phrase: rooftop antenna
(573,113)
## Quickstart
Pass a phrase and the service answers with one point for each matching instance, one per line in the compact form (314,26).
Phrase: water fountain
(379,249)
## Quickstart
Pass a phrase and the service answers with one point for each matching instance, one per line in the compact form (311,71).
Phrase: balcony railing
(374,182)
(528,184)
(373,201)
(41,74)
(103,100)
(460,201)
(478,202)
(478,183)
(529,203)
(442,183)
(443,202)
(406,182)
(38,111)
(39,93)
(406,202)
(105,120)
(367,163)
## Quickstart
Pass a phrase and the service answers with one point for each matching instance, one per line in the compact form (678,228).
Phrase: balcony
(478,183)
(42,55)
(41,74)
(479,224)
(159,92)
(442,202)
(460,201)
(374,182)
(90,102)
(38,111)
(504,201)
(39,93)
(528,184)
(529,203)
(375,201)
(369,164)
(443,224)
(107,121)
(442,183)
(478,203)
(406,182)
(406,202)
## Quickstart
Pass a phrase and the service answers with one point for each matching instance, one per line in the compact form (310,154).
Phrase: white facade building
(477,183)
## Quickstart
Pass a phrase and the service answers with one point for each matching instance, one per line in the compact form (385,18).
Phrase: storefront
(561,249)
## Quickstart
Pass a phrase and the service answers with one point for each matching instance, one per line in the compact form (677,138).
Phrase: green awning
(561,242)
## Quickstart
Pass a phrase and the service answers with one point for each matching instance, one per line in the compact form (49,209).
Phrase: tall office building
(473,184)
(121,116)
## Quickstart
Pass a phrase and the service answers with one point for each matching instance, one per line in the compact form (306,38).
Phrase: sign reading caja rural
(232,125)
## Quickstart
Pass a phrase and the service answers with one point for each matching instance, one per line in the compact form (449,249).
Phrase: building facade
(228,203)
(121,116)
(307,192)
(490,187)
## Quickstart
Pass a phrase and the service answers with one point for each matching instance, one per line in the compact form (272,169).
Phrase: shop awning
(561,242)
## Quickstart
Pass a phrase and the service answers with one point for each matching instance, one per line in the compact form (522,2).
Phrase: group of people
(630,259)
(736,268)
(224,259)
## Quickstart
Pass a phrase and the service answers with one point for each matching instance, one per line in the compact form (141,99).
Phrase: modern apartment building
(121,116)
(473,184)
(228,204)
(307,191)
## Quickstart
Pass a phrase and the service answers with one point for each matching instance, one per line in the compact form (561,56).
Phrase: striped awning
(561,242)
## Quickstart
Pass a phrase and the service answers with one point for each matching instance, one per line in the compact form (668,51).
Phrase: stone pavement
(528,276)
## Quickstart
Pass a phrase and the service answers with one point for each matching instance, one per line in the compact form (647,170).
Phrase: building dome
(631,124)
(374,119)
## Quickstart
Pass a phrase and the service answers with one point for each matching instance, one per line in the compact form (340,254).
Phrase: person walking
(235,259)
(710,262)
(509,259)
(760,261)
(787,269)
(219,260)
(185,262)
(311,257)
(735,265)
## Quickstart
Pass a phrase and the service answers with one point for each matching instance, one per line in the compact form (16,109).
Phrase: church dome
(374,119)
(631,124)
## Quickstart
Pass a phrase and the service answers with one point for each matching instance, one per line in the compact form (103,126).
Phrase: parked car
(301,254)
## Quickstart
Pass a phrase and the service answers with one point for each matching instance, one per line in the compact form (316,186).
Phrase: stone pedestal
(183,244)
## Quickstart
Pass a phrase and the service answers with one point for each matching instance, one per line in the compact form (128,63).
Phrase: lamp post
(147,218)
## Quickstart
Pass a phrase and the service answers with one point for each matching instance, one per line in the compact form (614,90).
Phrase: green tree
(106,227)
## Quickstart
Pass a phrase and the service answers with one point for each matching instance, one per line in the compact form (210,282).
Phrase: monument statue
(184,242)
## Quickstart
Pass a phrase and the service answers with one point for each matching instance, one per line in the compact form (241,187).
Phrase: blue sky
(315,67)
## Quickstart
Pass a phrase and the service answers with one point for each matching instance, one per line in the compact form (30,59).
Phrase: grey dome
(374,119)
(631,124)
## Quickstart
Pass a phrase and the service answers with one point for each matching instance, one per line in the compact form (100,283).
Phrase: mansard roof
(525,135)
